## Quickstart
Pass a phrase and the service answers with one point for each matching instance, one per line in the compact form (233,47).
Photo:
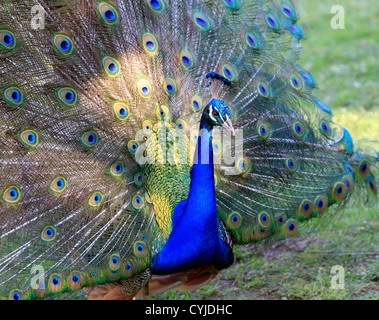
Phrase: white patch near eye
(211,113)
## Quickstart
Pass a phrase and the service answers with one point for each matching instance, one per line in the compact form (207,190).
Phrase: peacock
(141,141)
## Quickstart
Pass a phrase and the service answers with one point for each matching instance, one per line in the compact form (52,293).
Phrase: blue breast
(194,240)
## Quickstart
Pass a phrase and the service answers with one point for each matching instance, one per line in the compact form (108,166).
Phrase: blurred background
(346,66)
(345,62)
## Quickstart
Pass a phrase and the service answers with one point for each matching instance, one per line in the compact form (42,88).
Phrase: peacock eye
(215,113)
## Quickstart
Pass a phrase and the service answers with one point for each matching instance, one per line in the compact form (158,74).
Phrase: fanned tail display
(106,105)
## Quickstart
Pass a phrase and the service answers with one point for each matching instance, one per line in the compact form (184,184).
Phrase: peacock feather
(145,138)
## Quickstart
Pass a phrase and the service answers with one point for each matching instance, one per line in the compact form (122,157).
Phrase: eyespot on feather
(7,39)
(264,219)
(252,40)
(289,11)
(349,182)
(13,96)
(48,233)
(292,164)
(89,139)
(140,249)
(58,185)
(75,280)
(234,220)
(16,294)
(143,236)
(121,111)
(305,208)
(108,13)
(232,4)
(138,179)
(296,82)
(162,112)
(261,232)
(364,169)
(156,5)
(201,21)
(114,262)
(299,129)
(117,169)
(147,126)
(217,147)
(128,268)
(229,72)
(264,89)
(339,191)
(41,288)
(280,218)
(95,200)
(321,204)
(144,88)
(170,86)
(67,96)
(11,195)
(186,59)
(56,283)
(272,21)
(63,44)
(138,202)
(291,227)
(150,43)
(111,66)
(29,138)
(133,146)
(243,165)
(181,124)
(196,103)
(264,130)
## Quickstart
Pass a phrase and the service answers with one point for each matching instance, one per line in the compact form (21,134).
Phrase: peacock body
(114,171)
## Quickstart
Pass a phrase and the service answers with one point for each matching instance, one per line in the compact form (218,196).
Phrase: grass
(346,65)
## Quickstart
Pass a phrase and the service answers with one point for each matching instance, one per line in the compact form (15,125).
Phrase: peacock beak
(227,124)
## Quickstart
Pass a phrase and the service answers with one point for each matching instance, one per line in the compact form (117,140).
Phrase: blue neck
(202,197)
(194,240)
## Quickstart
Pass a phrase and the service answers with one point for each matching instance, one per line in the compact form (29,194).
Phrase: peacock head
(217,113)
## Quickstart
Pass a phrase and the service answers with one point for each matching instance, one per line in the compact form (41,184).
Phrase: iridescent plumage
(103,113)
